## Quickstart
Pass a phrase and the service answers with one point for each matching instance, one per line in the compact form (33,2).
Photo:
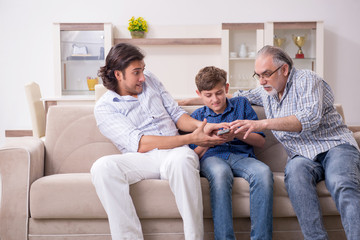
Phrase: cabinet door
(240,65)
(80,53)
(312,48)
(240,42)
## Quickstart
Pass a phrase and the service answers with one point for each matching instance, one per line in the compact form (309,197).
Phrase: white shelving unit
(314,44)
(240,69)
(257,35)
(233,35)
(72,69)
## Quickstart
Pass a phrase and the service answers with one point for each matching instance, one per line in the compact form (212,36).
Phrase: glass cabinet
(241,41)
(310,39)
(80,50)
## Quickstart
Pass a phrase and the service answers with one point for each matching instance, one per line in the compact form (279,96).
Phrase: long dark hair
(119,58)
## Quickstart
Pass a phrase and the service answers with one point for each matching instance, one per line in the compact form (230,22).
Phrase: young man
(140,117)
(235,158)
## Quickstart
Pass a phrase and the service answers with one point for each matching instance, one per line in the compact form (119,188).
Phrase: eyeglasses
(265,75)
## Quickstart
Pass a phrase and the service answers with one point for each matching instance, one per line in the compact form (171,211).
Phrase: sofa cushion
(73,196)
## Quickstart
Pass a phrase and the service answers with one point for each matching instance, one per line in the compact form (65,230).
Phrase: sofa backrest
(73,141)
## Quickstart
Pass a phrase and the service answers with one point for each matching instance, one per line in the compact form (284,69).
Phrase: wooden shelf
(242,26)
(81,26)
(169,41)
(242,59)
(294,25)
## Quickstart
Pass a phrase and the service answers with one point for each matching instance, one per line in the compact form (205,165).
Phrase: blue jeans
(340,167)
(220,174)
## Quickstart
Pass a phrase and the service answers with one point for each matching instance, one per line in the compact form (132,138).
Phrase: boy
(235,158)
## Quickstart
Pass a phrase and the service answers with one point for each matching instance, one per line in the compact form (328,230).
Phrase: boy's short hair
(208,77)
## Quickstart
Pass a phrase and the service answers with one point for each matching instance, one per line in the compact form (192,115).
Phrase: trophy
(278,42)
(299,41)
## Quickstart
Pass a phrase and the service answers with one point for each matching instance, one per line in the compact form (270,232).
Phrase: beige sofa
(47,192)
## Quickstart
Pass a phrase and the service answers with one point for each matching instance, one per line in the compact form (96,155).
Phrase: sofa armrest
(356,133)
(354,128)
(21,163)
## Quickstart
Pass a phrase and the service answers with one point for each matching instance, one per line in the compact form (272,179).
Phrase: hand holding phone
(223,131)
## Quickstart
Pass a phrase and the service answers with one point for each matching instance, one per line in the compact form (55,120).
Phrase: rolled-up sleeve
(310,102)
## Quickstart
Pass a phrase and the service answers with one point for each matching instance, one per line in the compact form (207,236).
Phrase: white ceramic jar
(243,51)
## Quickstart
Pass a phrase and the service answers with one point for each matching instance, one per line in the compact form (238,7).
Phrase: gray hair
(279,56)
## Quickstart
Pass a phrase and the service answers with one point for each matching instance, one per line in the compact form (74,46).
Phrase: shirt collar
(291,76)
(289,82)
(118,98)
(287,87)
(210,112)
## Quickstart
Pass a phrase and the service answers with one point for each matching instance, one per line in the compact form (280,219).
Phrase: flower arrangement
(139,24)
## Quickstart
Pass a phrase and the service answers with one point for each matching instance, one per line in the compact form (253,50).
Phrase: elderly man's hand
(247,126)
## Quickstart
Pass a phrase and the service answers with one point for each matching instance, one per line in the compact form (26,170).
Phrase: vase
(137,34)
(243,51)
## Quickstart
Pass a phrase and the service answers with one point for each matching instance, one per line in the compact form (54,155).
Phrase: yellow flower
(138,24)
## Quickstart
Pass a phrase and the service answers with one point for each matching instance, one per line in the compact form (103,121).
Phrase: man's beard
(273,91)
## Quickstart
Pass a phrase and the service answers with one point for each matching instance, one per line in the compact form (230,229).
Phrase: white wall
(177,65)
(26,39)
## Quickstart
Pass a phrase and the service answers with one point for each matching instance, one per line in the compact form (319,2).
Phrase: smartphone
(223,131)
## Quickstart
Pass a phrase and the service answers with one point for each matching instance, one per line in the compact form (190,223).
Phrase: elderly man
(299,107)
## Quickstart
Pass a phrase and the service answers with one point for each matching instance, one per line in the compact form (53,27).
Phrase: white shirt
(125,119)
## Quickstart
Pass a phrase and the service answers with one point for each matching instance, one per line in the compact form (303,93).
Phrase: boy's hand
(213,128)
(229,136)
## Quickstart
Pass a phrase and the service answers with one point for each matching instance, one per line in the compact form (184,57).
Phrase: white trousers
(112,175)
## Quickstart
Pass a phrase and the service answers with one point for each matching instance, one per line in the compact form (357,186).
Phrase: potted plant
(137,27)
